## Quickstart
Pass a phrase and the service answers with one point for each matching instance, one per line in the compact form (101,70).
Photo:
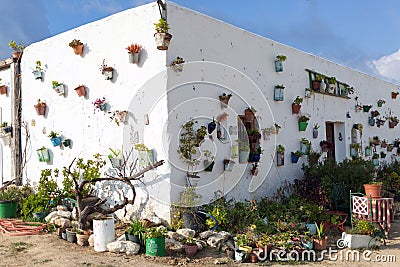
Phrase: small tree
(85,174)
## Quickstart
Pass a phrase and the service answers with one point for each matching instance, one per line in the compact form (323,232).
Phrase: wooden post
(16,171)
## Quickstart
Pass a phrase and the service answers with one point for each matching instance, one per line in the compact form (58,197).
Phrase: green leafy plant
(321,232)
(38,65)
(190,241)
(156,232)
(142,147)
(55,84)
(319,77)
(332,80)
(161,26)
(280,148)
(136,228)
(280,86)
(298,100)
(75,42)
(281,57)
(16,47)
(53,134)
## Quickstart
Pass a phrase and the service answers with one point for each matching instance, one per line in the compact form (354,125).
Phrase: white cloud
(388,66)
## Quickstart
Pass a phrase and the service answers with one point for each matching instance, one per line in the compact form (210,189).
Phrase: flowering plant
(100,104)
(156,232)
(134,48)
(304,117)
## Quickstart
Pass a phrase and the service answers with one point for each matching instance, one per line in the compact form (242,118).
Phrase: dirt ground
(49,250)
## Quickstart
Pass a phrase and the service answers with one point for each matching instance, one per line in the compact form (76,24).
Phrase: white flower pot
(5,139)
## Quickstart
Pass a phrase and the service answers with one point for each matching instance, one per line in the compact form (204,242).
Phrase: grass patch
(19,246)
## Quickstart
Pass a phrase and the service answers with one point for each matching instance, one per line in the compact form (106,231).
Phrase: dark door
(330,137)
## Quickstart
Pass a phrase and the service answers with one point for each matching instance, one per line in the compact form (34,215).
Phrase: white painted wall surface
(6,75)
(220,59)
(201,38)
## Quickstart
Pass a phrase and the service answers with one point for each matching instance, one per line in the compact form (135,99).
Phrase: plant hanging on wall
(100,104)
(77,46)
(37,73)
(133,51)
(118,116)
(3,89)
(58,87)
(162,36)
(40,107)
(80,90)
(106,70)
(177,64)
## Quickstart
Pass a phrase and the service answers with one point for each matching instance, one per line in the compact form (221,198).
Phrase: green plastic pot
(303,125)
(155,246)
(8,209)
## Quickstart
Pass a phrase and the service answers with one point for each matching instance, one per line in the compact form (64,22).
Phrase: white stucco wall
(229,57)
(219,59)
(74,116)
(6,75)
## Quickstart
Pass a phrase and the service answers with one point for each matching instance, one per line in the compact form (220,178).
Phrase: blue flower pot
(56,141)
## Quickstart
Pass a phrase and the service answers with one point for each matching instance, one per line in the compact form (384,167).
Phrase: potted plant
(253,135)
(295,156)
(3,89)
(278,92)
(37,73)
(71,234)
(354,148)
(106,71)
(371,121)
(135,232)
(177,64)
(134,51)
(244,152)
(18,49)
(43,154)
(40,107)
(58,87)
(256,155)
(80,90)
(82,237)
(145,155)
(279,62)
(77,46)
(368,151)
(118,116)
(249,114)
(162,36)
(375,113)
(321,238)
(305,146)
(394,95)
(280,155)
(331,85)
(155,241)
(115,157)
(228,165)
(99,104)
(303,121)
(373,189)
(366,108)
(67,142)
(363,235)
(190,246)
(209,161)
(315,130)
(381,102)
(5,134)
(296,105)
(224,99)
(375,159)
(9,198)
(316,82)
(254,169)
(393,121)
(55,138)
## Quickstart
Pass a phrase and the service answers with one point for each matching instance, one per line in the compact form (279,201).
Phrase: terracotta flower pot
(373,190)
(320,244)
(80,90)
(191,250)
(41,108)
(296,108)
(3,90)
(78,49)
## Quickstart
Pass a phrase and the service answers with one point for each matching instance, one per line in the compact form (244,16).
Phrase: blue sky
(361,34)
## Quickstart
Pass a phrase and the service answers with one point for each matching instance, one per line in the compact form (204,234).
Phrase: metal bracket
(162,7)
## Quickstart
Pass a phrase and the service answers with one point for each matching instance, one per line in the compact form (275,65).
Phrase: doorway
(330,137)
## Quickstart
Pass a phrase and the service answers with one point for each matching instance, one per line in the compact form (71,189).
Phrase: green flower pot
(155,246)
(303,126)
(8,208)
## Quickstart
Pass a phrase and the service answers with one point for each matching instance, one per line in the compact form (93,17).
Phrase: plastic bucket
(103,231)
(8,209)
(155,246)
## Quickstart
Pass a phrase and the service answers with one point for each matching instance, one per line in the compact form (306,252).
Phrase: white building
(219,58)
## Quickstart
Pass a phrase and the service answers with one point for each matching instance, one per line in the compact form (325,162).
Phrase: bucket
(104,233)
(155,246)
(8,209)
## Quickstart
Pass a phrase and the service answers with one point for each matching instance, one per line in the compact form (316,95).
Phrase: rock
(201,244)
(64,214)
(174,246)
(186,232)
(51,216)
(221,261)
(217,239)
(63,222)
(176,236)
(74,213)
(127,247)
(91,240)
(206,234)
(62,208)
(121,238)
